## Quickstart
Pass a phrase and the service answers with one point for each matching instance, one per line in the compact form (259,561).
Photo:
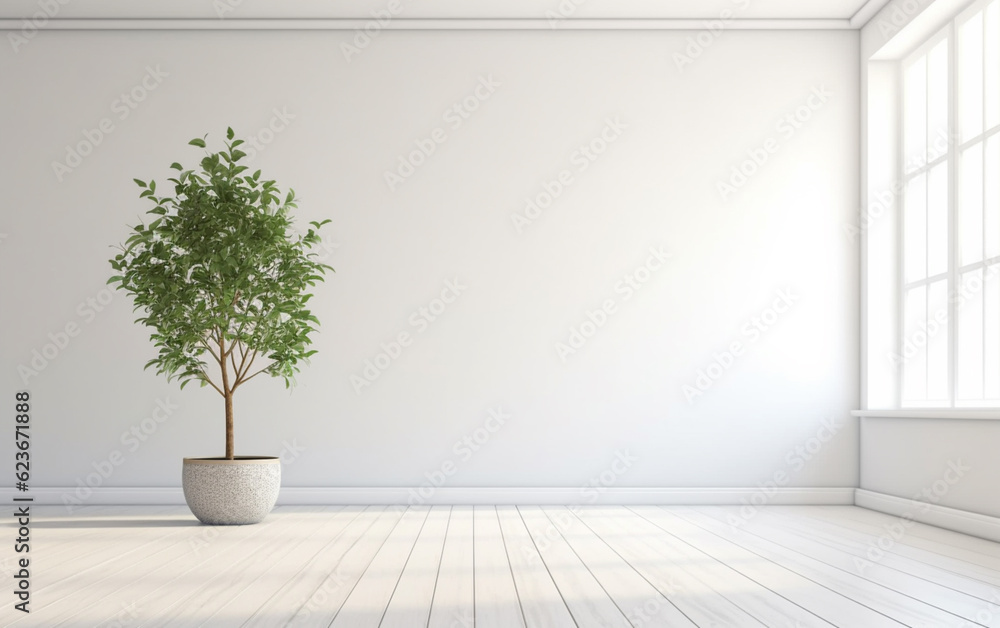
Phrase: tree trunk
(228,394)
(229,424)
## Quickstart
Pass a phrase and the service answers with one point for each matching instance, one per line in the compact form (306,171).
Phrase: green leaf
(200,143)
(139,182)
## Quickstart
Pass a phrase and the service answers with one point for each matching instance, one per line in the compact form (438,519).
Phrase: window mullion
(901,232)
(983,196)
(952,216)
(927,218)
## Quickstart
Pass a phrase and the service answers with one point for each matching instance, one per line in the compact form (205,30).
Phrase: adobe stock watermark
(920,504)
(899,16)
(257,143)
(580,159)
(122,107)
(225,7)
(987,615)
(463,449)
(132,439)
(751,332)
(326,246)
(697,44)
(35,23)
(883,200)
(453,118)
(369,32)
(59,340)
(420,321)
(590,493)
(795,460)
(563,11)
(123,618)
(463,619)
(786,127)
(649,611)
(626,287)
(915,342)
(319,598)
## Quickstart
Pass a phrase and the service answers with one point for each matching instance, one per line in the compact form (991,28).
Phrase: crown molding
(867,11)
(404,24)
(433,14)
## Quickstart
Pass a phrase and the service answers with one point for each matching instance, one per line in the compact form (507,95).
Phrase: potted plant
(222,279)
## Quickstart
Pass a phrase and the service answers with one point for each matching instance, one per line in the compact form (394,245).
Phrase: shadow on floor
(117,523)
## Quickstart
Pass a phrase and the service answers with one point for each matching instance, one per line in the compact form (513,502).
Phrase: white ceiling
(835,13)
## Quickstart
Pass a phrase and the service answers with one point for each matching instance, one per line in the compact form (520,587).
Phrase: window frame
(956,146)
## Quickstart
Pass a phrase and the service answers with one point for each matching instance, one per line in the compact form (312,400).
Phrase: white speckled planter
(231,492)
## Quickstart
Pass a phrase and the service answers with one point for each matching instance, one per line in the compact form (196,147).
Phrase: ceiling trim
(866,12)
(400,23)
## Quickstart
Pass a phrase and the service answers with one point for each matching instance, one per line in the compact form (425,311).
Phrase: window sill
(984,414)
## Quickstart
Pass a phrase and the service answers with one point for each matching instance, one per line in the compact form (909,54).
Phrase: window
(950,265)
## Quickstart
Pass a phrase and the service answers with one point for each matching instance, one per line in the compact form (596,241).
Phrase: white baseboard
(971,523)
(294,495)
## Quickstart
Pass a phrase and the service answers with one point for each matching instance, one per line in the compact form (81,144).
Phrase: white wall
(947,462)
(656,186)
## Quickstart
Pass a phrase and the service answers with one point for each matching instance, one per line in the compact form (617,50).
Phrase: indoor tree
(222,277)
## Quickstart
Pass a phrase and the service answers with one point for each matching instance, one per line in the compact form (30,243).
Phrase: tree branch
(205,378)
(252,376)
(242,377)
(243,359)
(214,336)
(232,305)
(209,349)
(249,302)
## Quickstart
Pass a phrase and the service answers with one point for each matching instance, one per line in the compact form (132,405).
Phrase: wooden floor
(504,567)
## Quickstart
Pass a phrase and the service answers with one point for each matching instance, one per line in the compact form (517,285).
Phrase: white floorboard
(454,601)
(588,602)
(309,589)
(541,601)
(640,601)
(497,602)
(411,601)
(854,557)
(684,582)
(506,567)
(366,605)
(325,604)
(901,608)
